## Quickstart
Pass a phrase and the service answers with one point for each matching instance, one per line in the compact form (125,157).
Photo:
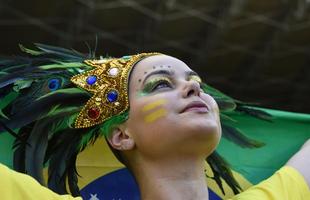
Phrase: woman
(171,127)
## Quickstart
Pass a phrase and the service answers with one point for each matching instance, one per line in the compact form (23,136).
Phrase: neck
(172,179)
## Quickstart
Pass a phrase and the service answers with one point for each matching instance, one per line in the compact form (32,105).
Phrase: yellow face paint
(153,105)
(155,115)
(157,111)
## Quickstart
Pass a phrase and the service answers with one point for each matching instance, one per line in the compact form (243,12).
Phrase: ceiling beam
(250,67)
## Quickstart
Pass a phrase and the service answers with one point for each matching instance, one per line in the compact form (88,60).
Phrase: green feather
(222,169)
(225,118)
(255,112)
(13,67)
(22,84)
(6,101)
(30,51)
(238,137)
(63,65)
(64,91)
(225,103)
(63,53)
(217,94)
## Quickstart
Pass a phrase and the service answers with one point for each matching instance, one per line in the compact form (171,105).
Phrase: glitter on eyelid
(151,83)
(160,78)
(156,79)
(195,78)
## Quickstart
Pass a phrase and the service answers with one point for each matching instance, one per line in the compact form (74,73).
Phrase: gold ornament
(108,82)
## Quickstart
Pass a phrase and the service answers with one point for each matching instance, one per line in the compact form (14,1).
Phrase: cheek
(147,118)
(210,102)
(215,110)
(149,111)
(154,110)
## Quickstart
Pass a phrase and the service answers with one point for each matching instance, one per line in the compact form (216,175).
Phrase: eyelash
(161,82)
(153,85)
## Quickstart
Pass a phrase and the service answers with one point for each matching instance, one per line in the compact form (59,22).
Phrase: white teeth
(113,71)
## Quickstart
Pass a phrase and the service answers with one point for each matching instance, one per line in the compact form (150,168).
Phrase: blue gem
(112,96)
(91,80)
(54,84)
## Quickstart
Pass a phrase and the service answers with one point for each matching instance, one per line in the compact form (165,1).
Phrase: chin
(204,131)
(203,125)
(199,141)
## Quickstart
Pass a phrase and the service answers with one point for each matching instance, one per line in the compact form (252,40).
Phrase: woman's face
(169,113)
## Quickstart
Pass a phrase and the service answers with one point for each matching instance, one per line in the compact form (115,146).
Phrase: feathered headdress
(40,106)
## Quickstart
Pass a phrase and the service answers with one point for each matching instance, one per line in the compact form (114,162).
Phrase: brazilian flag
(103,177)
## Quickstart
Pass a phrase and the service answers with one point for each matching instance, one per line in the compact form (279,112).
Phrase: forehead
(157,62)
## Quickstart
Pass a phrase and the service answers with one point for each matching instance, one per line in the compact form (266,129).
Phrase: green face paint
(141,94)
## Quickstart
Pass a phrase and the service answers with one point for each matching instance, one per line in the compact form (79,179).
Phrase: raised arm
(301,161)
(14,185)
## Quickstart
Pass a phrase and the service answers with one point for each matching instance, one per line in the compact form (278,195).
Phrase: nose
(191,88)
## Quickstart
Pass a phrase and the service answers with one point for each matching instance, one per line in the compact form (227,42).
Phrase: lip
(196,106)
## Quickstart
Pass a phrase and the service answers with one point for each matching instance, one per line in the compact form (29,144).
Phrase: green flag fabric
(282,137)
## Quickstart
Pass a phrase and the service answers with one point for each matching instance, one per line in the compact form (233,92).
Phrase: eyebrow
(191,73)
(169,73)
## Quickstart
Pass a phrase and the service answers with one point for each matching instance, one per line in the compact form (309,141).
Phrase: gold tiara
(108,82)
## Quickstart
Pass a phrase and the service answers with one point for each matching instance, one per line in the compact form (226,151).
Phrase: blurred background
(256,51)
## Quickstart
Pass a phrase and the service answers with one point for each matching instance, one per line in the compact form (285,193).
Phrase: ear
(120,139)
